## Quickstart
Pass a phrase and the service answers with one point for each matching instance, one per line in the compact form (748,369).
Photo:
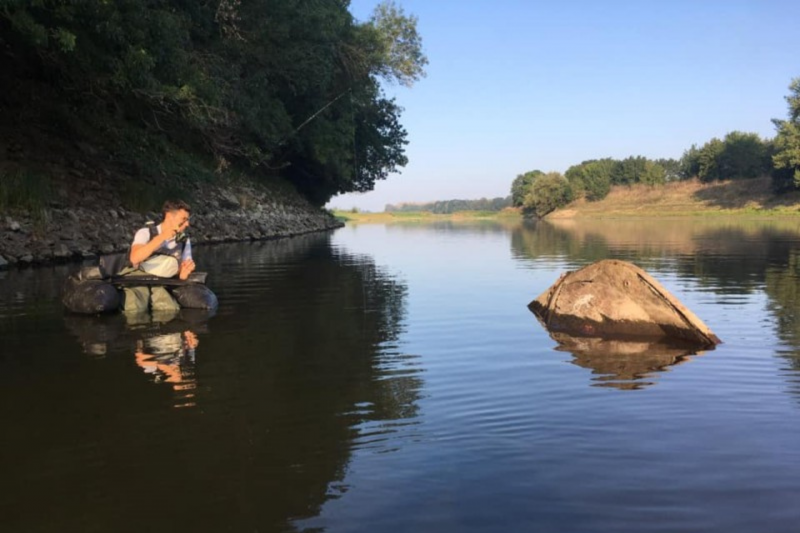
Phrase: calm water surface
(390,378)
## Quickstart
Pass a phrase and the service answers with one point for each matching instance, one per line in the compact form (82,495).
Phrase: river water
(391,378)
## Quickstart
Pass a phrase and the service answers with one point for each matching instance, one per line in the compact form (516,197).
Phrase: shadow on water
(724,257)
(300,368)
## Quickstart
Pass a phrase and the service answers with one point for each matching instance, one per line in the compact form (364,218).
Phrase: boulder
(614,299)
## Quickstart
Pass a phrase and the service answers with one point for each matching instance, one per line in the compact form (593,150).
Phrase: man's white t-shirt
(143,237)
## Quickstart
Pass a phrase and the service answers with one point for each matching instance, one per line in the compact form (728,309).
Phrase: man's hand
(190,339)
(169,229)
(187,267)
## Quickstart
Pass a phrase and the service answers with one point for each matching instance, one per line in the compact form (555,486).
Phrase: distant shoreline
(424,216)
(692,198)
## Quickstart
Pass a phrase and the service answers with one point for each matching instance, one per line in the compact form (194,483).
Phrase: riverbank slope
(63,200)
(687,198)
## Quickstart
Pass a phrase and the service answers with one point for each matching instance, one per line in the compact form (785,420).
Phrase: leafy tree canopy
(787,144)
(547,193)
(281,86)
(521,184)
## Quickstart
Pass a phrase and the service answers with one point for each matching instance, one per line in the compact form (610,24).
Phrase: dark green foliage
(521,185)
(289,86)
(739,156)
(745,156)
(445,207)
(672,169)
(547,193)
(690,163)
(786,158)
(591,179)
(629,170)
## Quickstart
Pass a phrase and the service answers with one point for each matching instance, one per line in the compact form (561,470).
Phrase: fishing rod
(315,115)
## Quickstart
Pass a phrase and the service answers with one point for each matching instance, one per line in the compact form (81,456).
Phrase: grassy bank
(687,198)
(422,216)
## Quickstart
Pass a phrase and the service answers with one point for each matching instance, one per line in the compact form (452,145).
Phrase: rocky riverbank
(86,218)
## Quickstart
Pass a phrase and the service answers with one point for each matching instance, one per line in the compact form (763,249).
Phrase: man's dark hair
(175,205)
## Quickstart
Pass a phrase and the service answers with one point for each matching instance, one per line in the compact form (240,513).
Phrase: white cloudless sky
(514,86)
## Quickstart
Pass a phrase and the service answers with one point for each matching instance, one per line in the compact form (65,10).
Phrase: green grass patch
(25,191)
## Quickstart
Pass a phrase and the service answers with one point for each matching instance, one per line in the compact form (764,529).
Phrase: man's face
(180,218)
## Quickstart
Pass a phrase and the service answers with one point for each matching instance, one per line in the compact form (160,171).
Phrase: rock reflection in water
(163,344)
(625,364)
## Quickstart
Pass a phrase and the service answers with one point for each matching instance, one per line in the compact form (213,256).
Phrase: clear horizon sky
(520,85)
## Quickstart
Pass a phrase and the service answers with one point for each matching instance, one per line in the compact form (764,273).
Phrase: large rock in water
(617,299)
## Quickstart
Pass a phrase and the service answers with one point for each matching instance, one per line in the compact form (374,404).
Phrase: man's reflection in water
(170,359)
(164,345)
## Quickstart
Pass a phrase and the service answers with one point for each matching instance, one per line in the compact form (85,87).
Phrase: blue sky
(514,86)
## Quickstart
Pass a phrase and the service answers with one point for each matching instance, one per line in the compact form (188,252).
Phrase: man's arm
(140,252)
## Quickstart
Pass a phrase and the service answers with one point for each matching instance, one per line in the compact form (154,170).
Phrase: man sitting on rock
(161,250)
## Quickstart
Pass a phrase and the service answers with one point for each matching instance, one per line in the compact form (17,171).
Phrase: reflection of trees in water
(300,363)
(471,226)
(783,287)
(322,335)
(728,257)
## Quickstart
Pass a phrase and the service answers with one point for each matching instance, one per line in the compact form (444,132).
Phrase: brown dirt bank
(746,197)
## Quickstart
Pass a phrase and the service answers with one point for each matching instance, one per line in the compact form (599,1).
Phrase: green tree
(591,179)
(787,144)
(548,193)
(708,159)
(690,163)
(745,156)
(672,169)
(629,171)
(267,85)
(398,52)
(521,186)
(653,174)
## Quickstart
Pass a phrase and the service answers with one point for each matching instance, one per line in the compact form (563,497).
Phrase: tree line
(273,86)
(446,207)
(738,156)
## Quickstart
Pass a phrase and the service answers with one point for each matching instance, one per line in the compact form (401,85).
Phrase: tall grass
(25,191)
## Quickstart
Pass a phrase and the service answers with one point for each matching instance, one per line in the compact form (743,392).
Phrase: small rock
(113,214)
(27,259)
(14,225)
(107,248)
(61,251)
(228,200)
(73,216)
(3,262)
(86,148)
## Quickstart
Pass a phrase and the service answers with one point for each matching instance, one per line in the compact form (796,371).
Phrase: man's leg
(136,300)
(162,300)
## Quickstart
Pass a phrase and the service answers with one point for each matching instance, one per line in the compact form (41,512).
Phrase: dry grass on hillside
(687,198)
